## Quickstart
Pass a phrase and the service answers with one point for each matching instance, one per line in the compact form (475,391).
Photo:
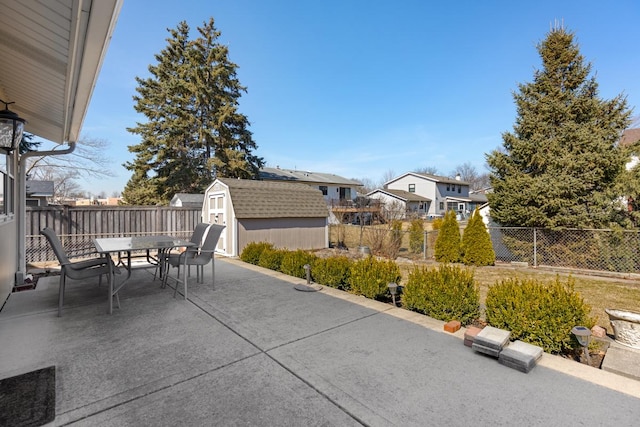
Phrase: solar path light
(393,289)
(583,335)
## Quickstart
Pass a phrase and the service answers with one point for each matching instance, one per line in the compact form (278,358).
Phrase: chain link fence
(602,250)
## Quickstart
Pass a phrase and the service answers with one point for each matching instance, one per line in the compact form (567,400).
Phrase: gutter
(22,208)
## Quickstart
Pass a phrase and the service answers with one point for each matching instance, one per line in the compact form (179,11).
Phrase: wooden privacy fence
(78,225)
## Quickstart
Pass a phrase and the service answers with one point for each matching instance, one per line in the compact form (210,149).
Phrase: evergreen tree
(477,248)
(194,131)
(447,248)
(559,166)
(416,235)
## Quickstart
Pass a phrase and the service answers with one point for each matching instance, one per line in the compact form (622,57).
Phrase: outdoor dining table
(116,245)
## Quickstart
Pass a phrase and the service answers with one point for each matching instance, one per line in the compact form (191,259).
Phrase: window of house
(459,188)
(448,187)
(6,185)
(324,189)
(441,206)
(412,188)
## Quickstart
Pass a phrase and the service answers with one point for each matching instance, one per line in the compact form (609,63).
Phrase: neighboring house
(398,204)
(187,200)
(37,192)
(443,193)
(289,215)
(334,188)
(50,56)
(478,199)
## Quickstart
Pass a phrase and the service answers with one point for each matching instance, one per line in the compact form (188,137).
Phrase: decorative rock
(470,335)
(520,355)
(452,326)
(491,341)
(598,331)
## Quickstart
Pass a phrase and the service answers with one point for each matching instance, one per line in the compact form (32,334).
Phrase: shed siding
(290,233)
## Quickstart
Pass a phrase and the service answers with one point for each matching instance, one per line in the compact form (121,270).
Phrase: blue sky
(363,87)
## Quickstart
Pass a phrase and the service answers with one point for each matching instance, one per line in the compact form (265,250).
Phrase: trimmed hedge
(448,292)
(251,253)
(370,277)
(271,258)
(333,272)
(293,263)
(539,313)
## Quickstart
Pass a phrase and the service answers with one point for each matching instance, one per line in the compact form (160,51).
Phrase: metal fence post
(535,248)
(424,245)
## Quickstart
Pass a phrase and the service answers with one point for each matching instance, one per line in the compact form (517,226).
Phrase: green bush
(448,242)
(370,277)
(333,272)
(416,236)
(477,248)
(293,263)
(448,292)
(251,253)
(539,313)
(271,258)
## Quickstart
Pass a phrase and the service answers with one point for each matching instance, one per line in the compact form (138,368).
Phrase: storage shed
(289,215)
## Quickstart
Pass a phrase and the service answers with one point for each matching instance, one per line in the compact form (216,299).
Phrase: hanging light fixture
(11,127)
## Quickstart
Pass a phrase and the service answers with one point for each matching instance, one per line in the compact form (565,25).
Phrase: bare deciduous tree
(87,160)
(429,170)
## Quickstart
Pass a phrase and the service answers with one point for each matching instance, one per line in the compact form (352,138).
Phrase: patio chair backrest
(56,245)
(198,233)
(211,240)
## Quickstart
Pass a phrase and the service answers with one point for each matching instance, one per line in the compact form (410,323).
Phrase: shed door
(217,209)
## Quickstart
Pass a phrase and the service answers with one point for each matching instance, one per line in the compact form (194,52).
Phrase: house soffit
(51,54)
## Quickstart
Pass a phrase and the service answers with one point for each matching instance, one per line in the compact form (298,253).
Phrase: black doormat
(28,399)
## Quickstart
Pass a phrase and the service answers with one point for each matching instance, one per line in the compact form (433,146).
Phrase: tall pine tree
(559,166)
(193,131)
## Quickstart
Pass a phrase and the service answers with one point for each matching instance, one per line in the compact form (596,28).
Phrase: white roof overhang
(50,56)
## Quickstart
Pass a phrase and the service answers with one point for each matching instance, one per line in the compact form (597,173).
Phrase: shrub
(448,242)
(445,293)
(293,263)
(539,313)
(437,224)
(333,272)
(416,236)
(370,276)
(477,248)
(395,239)
(271,258)
(251,253)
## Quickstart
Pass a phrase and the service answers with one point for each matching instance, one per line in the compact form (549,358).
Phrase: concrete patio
(255,351)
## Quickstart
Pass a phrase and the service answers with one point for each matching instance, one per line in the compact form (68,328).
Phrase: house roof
(629,136)
(51,54)
(277,174)
(188,199)
(478,197)
(434,178)
(270,199)
(401,194)
(39,188)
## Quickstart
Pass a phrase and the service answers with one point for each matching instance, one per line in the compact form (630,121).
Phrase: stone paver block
(520,355)
(470,335)
(452,326)
(491,340)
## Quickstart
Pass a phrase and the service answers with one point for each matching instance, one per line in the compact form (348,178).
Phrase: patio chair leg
(61,294)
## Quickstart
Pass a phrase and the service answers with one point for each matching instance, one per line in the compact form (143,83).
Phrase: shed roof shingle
(269,199)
